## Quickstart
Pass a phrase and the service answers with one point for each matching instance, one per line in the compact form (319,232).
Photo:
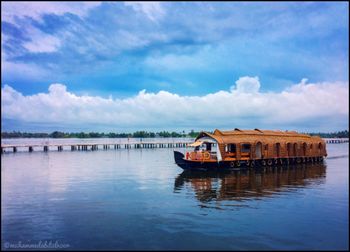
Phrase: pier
(90,146)
(106,146)
(336,140)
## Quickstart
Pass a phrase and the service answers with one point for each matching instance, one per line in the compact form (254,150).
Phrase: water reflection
(240,185)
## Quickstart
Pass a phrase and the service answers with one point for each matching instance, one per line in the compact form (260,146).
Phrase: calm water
(139,199)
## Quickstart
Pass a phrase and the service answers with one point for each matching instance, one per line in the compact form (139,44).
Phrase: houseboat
(251,148)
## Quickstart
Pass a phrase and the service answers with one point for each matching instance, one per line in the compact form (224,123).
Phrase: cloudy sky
(125,66)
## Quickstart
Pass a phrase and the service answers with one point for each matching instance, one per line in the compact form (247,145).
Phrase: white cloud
(247,85)
(41,42)
(35,10)
(153,10)
(299,104)
(23,71)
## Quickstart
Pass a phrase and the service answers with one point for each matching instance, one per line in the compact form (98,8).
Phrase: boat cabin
(238,145)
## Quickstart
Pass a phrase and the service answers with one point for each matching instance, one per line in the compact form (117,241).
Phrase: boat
(237,149)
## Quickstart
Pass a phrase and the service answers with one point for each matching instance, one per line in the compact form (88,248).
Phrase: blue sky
(114,50)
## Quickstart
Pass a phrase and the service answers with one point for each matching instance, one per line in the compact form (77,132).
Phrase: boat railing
(201,155)
(231,154)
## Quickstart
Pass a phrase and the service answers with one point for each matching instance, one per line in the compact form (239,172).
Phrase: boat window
(258,150)
(278,149)
(304,149)
(289,149)
(320,146)
(295,149)
(208,146)
(202,147)
(245,148)
(230,148)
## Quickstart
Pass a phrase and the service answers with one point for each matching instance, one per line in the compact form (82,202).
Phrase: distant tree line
(137,134)
(339,134)
(59,134)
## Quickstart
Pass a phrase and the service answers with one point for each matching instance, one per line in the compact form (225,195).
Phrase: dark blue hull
(242,164)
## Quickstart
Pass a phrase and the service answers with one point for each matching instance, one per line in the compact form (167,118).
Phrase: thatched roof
(256,135)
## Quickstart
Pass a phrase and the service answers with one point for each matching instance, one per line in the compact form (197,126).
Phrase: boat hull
(242,164)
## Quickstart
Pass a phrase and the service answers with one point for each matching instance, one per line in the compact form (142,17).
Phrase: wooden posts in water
(336,140)
(92,146)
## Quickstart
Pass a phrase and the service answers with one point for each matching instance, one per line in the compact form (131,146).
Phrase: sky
(126,66)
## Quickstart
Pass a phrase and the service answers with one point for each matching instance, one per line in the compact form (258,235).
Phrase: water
(139,199)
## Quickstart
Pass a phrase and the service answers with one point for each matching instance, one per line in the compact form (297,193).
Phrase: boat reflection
(241,185)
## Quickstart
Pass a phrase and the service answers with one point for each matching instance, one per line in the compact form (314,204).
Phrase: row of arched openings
(292,149)
(262,150)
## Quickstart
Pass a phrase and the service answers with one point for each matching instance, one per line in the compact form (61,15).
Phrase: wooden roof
(264,136)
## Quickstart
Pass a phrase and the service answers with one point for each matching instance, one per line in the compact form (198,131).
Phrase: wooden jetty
(105,146)
(90,146)
(336,140)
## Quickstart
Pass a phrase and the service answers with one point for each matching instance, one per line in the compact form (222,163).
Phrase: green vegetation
(339,134)
(58,134)
(137,134)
